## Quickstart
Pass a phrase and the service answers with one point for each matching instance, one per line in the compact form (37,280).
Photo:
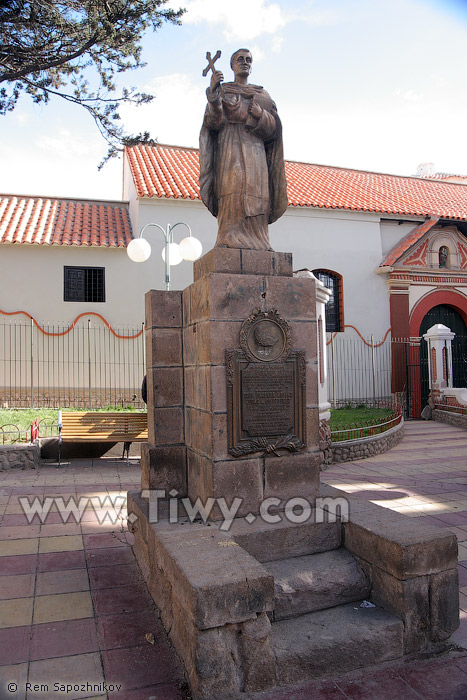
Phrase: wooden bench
(99,426)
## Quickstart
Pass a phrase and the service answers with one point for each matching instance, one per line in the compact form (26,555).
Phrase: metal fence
(395,370)
(359,371)
(88,364)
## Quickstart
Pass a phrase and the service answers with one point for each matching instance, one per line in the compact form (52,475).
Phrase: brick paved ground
(73,607)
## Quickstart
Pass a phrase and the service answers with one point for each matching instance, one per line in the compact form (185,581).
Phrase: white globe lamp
(191,248)
(175,254)
(138,250)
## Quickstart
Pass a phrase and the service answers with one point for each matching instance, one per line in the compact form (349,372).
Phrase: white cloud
(408,95)
(244,19)
(174,116)
(66,144)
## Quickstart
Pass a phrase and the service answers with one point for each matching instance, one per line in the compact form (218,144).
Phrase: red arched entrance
(442,296)
(446,297)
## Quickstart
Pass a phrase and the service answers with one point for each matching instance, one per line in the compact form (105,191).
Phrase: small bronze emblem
(265,336)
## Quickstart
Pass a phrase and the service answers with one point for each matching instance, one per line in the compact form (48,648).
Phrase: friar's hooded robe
(242,175)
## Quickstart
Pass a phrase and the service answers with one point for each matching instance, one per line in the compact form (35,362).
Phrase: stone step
(272,541)
(333,641)
(317,581)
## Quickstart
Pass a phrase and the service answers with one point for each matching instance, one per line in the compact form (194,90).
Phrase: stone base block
(163,468)
(236,261)
(19,457)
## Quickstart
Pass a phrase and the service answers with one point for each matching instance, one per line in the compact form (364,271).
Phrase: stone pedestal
(242,597)
(188,334)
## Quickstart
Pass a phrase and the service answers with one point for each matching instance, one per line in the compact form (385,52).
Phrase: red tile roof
(53,221)
(172,172)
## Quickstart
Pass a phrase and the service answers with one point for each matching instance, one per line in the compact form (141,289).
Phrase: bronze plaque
(266,408)
(267,399)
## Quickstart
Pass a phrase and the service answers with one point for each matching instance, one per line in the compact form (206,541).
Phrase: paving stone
(16,586)
(63,606)
(15,612)
(14,645)
(79,669)
(17,674)
(129,629)
(66,581)
(139,666)
(63,543)
(65,638)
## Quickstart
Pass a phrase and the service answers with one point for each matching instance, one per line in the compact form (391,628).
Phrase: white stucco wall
(392,232)
(31,280)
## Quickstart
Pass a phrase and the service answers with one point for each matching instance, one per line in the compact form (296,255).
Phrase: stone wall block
(234,297)
(167,427)
(257,659)
(226,260)
(312,400)
(198,387)
(164,347)
(163,468)
(163,309)
(304,337)
(291,476)
(224,334)
(409,600)
(166,384)
(217,580)
(444,604)
(219,437)
(266,262)
(295,298)
(312,429)
(199,430)
(238,479)
(196,340)
(19,457)
(186,306)
(199,300)
(218,389)
(199,476)
(393,544)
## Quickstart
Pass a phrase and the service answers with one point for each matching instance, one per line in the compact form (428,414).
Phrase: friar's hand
(216,79)
(254,109)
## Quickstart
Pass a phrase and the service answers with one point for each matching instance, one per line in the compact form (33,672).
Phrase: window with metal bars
(334,307)
(84,284)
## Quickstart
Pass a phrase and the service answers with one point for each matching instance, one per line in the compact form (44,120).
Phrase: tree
(49,48)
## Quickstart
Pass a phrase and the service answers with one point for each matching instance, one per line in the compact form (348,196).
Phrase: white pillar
(439,339)
(322,298)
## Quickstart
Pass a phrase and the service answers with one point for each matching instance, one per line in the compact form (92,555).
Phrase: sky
(367,84)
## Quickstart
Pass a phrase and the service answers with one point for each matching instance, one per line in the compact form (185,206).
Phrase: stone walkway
(74,610)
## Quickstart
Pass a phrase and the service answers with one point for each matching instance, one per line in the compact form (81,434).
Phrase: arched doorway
(450,317)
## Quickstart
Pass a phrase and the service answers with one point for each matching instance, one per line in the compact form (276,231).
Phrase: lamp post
(189,248)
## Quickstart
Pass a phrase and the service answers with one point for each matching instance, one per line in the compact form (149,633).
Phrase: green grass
(344,417)
(347,418)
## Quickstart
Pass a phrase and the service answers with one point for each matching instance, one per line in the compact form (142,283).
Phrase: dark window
(334,307)
(84,284)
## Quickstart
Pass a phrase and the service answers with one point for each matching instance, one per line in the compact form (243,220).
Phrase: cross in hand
(210,66)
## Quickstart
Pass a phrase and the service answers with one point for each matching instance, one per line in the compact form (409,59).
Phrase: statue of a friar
(242,176)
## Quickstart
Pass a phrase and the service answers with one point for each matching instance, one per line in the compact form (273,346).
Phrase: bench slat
(104,427)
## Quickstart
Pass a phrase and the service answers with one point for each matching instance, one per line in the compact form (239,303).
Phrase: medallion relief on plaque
(266,410)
